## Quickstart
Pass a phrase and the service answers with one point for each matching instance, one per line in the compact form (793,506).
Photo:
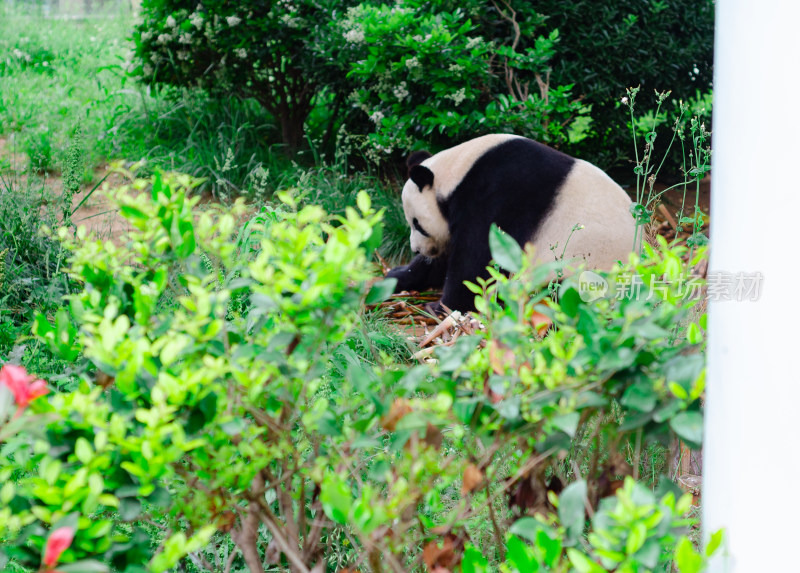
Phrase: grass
(56,75)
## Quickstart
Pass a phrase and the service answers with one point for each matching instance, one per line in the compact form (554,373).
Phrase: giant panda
(531,191)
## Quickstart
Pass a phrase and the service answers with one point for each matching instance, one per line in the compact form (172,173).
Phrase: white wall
(751,482)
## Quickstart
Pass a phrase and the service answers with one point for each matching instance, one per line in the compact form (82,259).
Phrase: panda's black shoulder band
(421,176)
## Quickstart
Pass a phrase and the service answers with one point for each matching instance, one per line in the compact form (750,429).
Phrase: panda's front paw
(402,275)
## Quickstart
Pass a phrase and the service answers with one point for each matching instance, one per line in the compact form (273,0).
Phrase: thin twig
(271,522)
(231,559)
(497,534)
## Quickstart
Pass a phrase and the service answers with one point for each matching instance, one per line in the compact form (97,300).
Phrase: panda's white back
(592,199)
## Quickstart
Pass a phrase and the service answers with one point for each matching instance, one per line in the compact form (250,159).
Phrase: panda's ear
(416,158)
(421,176)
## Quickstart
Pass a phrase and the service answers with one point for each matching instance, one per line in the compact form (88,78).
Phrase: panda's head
(429,230)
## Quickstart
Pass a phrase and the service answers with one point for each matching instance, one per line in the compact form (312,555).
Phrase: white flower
(185,39)
(412,63)
(163,38)
(401,91)
(148,70)
(146,35)
(455,68)
(354,36)
(233,21)
(171,22)
(624,101)
(240,52)
(376,117)
(292,21)
(458,97)
(196,19)
(472,42)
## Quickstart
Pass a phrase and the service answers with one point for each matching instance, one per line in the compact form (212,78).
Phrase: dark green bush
(430,73)
(438,72)
(427,72)
(251,49)
(605,47)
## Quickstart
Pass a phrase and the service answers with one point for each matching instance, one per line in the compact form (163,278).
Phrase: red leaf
(22,384)
(57,543)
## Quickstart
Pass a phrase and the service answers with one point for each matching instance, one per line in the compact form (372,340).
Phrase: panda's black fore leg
(467,266)
(420,274)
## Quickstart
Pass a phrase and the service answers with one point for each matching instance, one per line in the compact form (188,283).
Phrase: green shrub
(250,49)
(425,72)
(231,393)
(428,74)
(606,47)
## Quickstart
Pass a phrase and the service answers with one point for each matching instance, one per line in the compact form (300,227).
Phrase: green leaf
(667,411)
(649,553)
(85,566)
(567,423)
(641,396)
(452,357)
(551,547)
(689,426)
(381,290)
(636,538)
(336,498)
(129,508)
(686,558)
(83,450)
(694,335)
(506,252)
(517,554)
(570,300)
(49,469)
(473,561)
(571,510)
(526,527)
(714,542)
(582,563)
(678,391)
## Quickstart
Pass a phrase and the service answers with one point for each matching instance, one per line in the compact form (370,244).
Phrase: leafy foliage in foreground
(228,396)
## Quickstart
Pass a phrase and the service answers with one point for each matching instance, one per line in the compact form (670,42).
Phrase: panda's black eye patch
(419,228)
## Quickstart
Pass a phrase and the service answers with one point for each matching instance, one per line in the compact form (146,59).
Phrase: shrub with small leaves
(423,71)
(252,49)
(224,392)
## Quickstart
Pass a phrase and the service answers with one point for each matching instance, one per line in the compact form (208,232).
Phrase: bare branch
(271,521)
(246,538)
(507,69)
(231,558)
